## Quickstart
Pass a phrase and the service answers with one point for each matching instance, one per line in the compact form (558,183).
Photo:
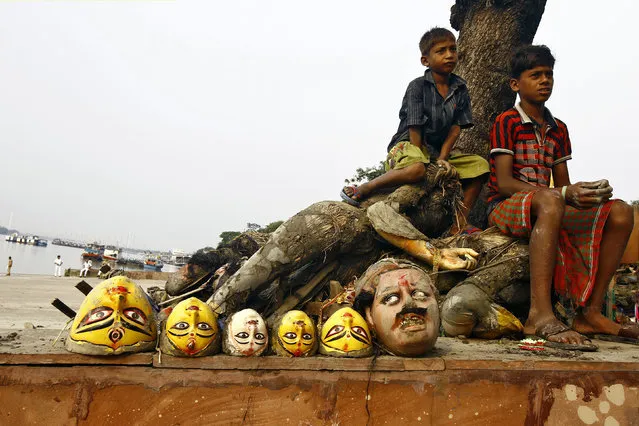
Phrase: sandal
(555,327)
(350,200)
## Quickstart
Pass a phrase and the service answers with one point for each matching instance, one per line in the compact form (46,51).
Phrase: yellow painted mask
(294,335)
(346,334)
(190,330)
(115,317)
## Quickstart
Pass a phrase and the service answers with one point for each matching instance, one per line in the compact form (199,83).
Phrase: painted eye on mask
(204,326)
(307,336)
(97,314)
(419,293)
(260,336)
(335,330)
(136,315)
(181,325)
(242,335)
(290,335)
(391,299)
(360,331)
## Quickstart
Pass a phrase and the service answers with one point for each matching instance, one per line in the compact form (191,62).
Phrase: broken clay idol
(294,335)
(115,317)
(245,334)
(190,330)
(345,334)
(399,302)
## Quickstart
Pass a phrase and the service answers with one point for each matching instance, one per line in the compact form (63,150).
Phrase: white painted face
(247,334)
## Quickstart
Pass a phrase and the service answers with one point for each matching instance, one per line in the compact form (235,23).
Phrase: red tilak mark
(348,314)
(118,290)
(253,322)
(193,308)
(403,282)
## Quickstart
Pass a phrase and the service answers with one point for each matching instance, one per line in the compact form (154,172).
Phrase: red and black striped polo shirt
(516,134)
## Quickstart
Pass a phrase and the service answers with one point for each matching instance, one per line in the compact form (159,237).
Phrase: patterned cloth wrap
(578,246)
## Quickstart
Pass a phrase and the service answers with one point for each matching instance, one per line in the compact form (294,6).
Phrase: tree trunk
(489,31)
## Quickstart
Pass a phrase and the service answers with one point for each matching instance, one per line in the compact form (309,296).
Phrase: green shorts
(403,154)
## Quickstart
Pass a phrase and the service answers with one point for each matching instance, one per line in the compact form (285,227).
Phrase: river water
(39,260)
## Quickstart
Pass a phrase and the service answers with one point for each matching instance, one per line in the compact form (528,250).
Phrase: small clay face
(192,327)
(296,335)
(247,334)
(115,317)
(346,333)
(404,313)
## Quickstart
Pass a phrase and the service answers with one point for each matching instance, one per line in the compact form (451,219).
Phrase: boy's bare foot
(591,322)
(553,330)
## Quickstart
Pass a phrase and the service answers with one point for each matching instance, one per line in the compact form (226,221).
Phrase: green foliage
(634,203)
(367,174)
(227,236)
(271,227)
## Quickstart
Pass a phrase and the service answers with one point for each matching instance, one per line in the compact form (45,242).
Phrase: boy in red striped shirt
(568,225)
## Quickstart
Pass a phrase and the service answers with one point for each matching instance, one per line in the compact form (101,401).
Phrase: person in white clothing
(58,267)
(85,268)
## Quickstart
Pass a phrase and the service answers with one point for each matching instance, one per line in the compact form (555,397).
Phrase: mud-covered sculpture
(245,334)
(335,241)
(294,335)
(190,330)
(399,302)
(115,317)
(346,335)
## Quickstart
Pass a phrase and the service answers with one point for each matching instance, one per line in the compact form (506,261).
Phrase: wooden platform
(462,382)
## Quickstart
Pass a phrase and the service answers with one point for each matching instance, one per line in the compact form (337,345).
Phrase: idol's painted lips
(412,320)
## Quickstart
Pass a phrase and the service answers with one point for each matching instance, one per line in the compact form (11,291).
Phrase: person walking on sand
(58,267)
(9,265)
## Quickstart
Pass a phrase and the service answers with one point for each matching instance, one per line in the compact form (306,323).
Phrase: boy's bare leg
(472,188)
(410,174)
(548,211)
(613,243)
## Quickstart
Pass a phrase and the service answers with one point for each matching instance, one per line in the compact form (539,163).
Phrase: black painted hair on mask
(529,56)
(432,36)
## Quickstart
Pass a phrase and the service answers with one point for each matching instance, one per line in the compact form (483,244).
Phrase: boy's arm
(582,195)
(449,142)
(507,184)
(415,136)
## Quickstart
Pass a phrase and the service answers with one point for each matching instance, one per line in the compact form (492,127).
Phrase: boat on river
(93,251)
(153,263)
(111,253)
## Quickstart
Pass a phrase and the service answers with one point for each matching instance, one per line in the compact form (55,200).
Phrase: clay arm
(398,231)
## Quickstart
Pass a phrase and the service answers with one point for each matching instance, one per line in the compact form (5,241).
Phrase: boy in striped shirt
(568,225)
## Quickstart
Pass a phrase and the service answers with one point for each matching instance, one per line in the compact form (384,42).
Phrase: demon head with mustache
(398,300)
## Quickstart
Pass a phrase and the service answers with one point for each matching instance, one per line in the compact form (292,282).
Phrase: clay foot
(558,335)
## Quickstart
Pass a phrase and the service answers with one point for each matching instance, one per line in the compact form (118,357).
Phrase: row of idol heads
(396,311)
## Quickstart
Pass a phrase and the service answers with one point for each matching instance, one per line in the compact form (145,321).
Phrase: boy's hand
(449,170)
(584,195)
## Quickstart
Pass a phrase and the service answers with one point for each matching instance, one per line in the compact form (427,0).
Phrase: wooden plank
(539,365)
(75,359)
(316,363)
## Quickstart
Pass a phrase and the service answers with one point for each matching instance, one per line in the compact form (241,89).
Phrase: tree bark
(489,31)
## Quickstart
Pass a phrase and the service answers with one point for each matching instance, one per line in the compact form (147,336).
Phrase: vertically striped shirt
(516,134)
(424,107)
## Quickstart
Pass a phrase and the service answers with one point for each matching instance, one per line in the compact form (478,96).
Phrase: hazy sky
(168,122)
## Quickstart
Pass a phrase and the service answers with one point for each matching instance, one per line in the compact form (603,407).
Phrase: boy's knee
(621,216)
(415,172)
(548,203)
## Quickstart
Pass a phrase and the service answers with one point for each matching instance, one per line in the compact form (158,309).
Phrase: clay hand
(457,258)
(449,170)
(584,195)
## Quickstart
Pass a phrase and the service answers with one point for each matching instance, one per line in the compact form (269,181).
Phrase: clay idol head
(245,334)
(190,330)
(294,335)
(345,334)
(115,317)
(399,302)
